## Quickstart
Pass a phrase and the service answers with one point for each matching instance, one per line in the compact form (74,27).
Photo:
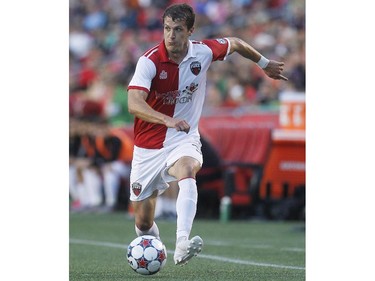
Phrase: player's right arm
(138,91)
(138,106)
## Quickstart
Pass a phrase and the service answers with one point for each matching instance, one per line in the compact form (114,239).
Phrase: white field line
(293,249)
(209,257)
(228,244)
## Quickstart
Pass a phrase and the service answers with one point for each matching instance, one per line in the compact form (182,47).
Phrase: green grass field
(238,250)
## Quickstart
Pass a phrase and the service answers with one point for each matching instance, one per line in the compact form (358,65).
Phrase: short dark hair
(181,12)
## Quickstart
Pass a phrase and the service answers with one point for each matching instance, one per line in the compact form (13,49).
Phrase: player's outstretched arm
(271,68)
(138,107)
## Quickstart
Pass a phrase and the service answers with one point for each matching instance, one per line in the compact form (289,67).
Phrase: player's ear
(191,31)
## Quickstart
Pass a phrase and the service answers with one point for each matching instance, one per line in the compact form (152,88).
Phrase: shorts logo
(195,67)
(136,188)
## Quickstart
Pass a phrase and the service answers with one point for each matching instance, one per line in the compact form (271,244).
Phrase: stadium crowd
(107,37)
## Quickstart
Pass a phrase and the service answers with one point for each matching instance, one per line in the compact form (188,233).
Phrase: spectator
(99,163)
(122,30)
(84,176)
(106,38)
(116,150)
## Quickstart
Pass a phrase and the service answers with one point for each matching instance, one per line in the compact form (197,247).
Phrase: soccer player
(166,96)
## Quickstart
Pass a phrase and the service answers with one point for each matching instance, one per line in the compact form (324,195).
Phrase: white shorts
(150,166)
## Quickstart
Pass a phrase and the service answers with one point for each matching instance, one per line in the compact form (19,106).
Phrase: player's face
(176,36)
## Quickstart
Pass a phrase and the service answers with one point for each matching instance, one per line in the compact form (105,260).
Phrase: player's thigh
(185,167)
(185,160)
(145,176)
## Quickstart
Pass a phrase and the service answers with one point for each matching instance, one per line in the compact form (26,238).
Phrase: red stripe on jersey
(219,48)
(138,88)
(150,51)
(164,87)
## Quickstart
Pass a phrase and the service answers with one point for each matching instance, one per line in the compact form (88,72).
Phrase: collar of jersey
(164,54)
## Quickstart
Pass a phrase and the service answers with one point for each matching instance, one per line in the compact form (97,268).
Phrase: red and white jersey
(177,90)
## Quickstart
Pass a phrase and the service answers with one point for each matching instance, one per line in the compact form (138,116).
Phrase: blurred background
(252,127)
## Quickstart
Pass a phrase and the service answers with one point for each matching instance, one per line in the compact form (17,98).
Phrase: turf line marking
(97,243)
(210,257)
(293,249)
(228,244)
(236,261)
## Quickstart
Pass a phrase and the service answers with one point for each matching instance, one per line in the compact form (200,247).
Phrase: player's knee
(190,170)
(144,225)
(185,171)
(144,220)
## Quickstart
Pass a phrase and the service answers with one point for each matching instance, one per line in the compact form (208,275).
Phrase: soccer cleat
(187,249)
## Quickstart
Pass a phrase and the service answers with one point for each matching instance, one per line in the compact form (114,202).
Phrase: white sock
(154,231)
(73,192)
(82,194)
(111,184)
(92,183)
(186,207)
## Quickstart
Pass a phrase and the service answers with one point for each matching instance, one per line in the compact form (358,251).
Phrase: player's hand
(179,125)
(274,70)
(182,126)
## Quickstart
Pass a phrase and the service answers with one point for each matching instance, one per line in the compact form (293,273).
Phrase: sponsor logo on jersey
(221,41)
(195,67)
(136,188)
(163,75)
(189,90)
(174,97)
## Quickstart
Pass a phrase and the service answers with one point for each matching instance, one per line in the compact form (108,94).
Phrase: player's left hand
(274,70)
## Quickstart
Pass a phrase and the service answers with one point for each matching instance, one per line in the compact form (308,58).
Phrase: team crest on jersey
(136,188)
(195,67)
(163,75)
(221,41)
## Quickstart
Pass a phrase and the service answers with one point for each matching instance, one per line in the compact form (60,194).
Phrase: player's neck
(178,57)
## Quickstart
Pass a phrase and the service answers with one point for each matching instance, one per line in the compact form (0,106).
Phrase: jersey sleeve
(145,71)
(220,48)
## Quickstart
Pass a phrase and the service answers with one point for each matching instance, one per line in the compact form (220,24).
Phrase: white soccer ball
(147,255)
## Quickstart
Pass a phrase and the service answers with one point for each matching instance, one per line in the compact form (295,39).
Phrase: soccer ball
(146,255)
